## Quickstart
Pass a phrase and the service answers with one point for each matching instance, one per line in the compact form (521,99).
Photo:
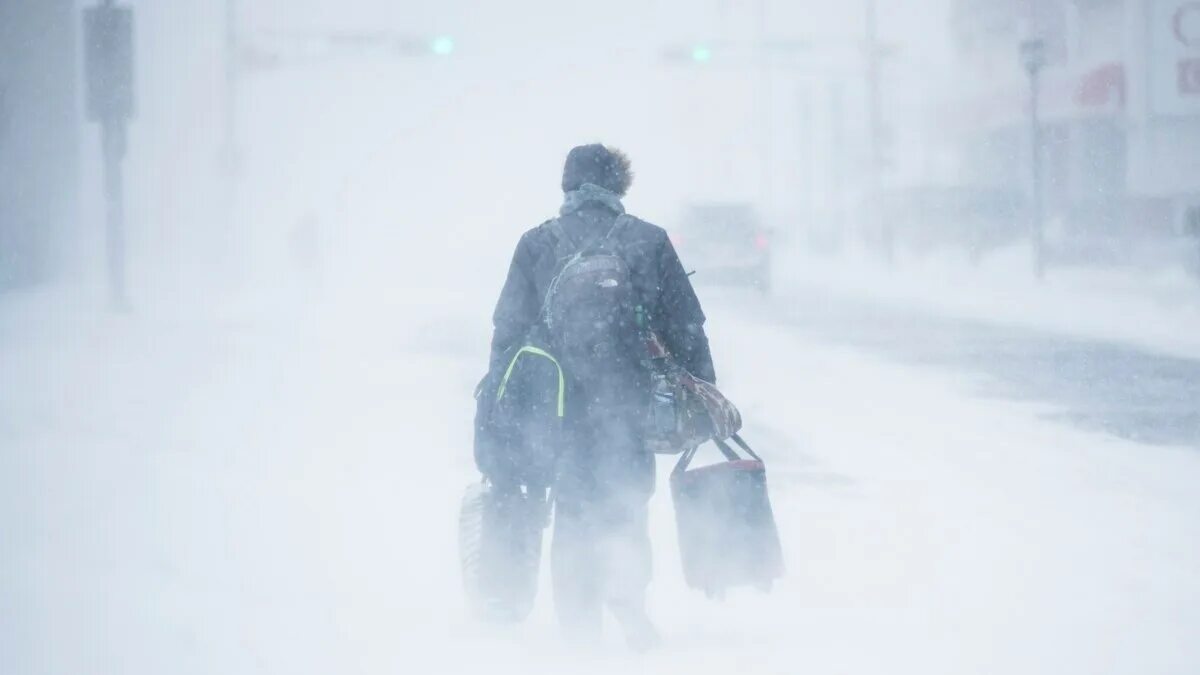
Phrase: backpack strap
(564,245)
(619,224)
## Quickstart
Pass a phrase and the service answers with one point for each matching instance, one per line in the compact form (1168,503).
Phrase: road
(273,491)
(1094,385)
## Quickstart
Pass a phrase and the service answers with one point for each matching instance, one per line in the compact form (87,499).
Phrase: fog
(976,393)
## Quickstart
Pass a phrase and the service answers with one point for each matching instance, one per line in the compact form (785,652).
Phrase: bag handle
(745,447)
(729,453)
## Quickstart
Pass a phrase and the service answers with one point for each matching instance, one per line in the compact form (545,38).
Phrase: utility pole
(232,53)
(877,219)
(765,109)
(226,233)
(108,35)
(805,179)
(1033,57)
(837,160)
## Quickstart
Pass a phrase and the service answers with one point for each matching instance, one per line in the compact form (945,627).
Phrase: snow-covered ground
(268,482)
(270,488)
(1157,310)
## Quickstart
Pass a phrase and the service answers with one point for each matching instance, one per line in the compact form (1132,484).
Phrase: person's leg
(626,557)
(626,471)
(575,570)
(604,483)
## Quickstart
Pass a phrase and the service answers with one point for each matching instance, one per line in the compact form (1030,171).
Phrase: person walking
(604,475)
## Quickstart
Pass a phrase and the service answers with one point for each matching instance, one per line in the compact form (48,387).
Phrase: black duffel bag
(519,408)
(727,531)
(518,424)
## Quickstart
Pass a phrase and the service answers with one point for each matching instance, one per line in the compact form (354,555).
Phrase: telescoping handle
(729,453)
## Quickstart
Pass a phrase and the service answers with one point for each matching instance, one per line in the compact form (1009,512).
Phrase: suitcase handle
(729,453)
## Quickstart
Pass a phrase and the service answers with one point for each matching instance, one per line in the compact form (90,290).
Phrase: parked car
(725,243)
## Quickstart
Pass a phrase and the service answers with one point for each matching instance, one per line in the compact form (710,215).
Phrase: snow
(258,471)
(269,488)
(1156,309)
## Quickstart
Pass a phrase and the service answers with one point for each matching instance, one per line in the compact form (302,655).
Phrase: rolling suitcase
(500,548)
(727,531)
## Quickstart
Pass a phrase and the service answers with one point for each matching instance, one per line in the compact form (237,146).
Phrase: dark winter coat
(603,461)
(662,284)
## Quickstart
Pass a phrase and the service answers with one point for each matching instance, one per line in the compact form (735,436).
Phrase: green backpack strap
(537,351)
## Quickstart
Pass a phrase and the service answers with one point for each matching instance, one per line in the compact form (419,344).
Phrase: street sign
(108,62)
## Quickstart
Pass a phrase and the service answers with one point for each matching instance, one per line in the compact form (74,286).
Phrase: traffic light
(442,45)
(702,54)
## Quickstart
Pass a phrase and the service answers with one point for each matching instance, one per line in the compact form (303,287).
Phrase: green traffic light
(701,54)
(442,45)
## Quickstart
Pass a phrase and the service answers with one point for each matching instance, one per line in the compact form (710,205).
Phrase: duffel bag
(727,531)
(519,408)
(685,410)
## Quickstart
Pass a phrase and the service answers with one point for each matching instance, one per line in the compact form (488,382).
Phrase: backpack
(587,322)
(590,312)
(519,408)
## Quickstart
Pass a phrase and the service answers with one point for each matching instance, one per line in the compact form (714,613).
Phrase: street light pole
(1033,56)
(109,69)
(877,219)
(231,85)
(765,109)
(226,235)
(113,143)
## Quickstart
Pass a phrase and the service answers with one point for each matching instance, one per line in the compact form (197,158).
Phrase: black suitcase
(500,547)
(727,531)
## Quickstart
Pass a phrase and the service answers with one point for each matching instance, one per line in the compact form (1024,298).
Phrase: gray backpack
(590,310)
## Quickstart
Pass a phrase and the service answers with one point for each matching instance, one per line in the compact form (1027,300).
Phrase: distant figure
(604,473)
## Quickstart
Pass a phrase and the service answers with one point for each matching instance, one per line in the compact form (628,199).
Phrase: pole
(1035,138)
(226,233)
(837,159)
(108,73)
(877,220)
(113,141)
(231,84)
(764,95)
(805,224)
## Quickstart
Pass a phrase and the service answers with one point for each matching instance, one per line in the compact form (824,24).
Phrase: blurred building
(39,137)
(1120,101)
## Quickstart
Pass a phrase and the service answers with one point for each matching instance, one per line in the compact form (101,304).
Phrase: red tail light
(761,242)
